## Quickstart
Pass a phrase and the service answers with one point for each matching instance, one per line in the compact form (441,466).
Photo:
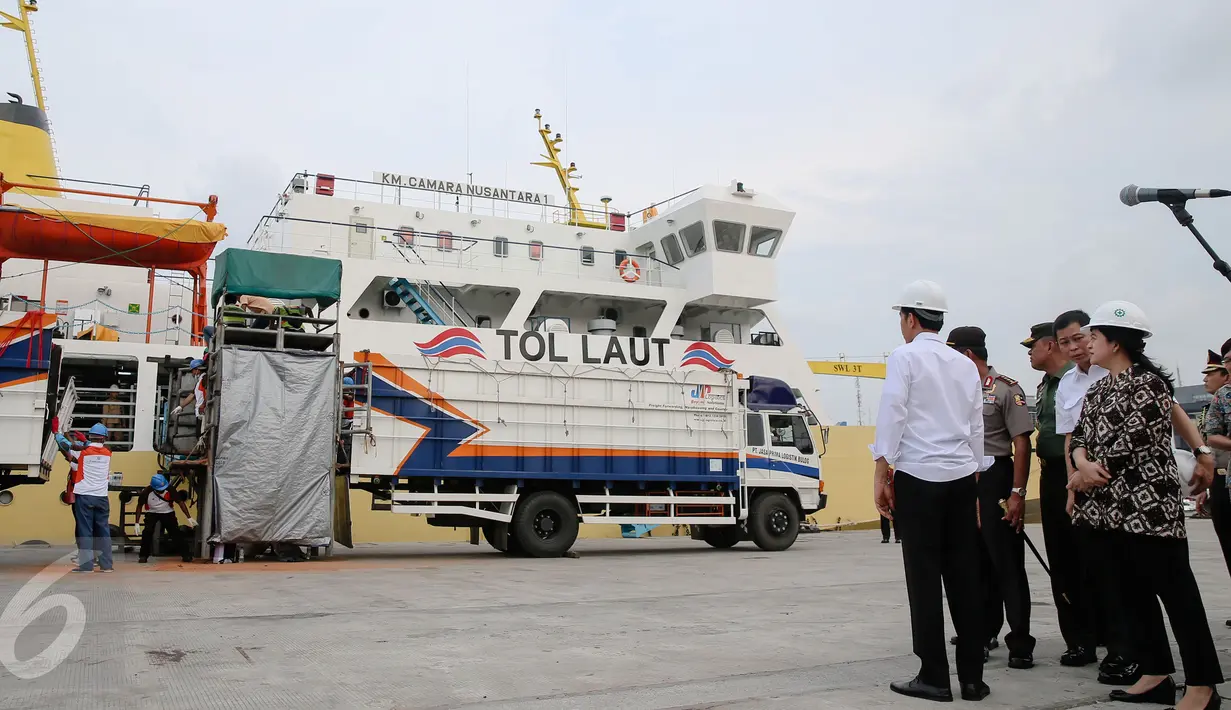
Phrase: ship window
(729,236)
(444,240)
(405,236)
(756,429)
(587,256)
(536,251)
(500,246)
(620,256)
(671,249)
(763,241)
(693,237)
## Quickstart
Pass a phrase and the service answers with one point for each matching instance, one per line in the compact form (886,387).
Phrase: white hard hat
(1186,464)
(1121,314)
(923,295)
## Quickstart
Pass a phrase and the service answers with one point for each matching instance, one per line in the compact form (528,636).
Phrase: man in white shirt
(930,430)
(1071,392)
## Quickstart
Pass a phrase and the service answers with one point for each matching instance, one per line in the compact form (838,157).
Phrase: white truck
(528,451)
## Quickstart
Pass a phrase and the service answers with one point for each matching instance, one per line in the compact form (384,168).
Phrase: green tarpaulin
(262,273)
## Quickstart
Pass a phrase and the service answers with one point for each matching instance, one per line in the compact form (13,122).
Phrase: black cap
(1213,363)
(966,337)
(1038,332)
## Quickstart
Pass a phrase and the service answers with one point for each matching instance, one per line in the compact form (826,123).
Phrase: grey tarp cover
(276,447)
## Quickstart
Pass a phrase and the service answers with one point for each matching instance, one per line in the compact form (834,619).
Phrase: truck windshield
(790,430)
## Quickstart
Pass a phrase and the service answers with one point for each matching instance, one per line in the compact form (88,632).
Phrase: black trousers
(885,524)
(940,539)
(1006,550)
(171,525)
(1153,569)
(1067,550)
(1106,589)
(1220,511)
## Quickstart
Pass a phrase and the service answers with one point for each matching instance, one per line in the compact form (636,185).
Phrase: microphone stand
(1186,220)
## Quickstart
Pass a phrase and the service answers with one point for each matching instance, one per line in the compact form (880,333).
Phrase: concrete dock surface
(665,622)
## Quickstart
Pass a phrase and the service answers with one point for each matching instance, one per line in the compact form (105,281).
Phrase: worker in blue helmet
(197,398)
(92,508)
(158,498)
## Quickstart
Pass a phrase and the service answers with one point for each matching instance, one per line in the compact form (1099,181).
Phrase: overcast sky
(981,145)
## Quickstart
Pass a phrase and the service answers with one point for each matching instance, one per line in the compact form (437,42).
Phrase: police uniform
(1215,418)
(1007,590)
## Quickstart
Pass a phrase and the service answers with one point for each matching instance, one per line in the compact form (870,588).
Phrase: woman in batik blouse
(1129,491)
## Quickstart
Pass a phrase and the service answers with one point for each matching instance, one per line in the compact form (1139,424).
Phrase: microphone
(1132,195)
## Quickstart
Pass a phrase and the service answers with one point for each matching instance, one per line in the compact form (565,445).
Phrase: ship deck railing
(404,196)
(443,249)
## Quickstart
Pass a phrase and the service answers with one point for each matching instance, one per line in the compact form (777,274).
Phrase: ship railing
(451,250)
(440,298)
(70,192)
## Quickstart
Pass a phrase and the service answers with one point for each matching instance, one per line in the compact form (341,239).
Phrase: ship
(100,278)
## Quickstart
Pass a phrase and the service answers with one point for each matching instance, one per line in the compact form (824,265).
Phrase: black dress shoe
(1111,662)
(884,541)
(916,688)
(975,691)
(1161,694)
(1214,703)
(1228,622)
(1078,656)
(1021,663)
(1125,674)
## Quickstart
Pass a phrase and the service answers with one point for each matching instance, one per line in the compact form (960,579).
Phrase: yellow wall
(847,468)
(37,514)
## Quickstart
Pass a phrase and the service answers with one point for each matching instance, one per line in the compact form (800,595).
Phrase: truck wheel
(722,536)
(544,524)
(773,521)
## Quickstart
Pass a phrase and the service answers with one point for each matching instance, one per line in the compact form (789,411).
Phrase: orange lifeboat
(122,240)
(49,234)
(40,233)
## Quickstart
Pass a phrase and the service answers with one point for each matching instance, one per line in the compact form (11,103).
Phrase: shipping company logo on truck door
(452,342)
(705,355)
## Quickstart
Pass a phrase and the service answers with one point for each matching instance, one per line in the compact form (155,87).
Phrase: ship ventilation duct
(677,333)
(601,326)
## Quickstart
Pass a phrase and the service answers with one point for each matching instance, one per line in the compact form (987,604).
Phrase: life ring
(630,270)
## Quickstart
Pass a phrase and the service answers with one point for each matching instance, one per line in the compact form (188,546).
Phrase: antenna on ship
(576,213)
(21,23)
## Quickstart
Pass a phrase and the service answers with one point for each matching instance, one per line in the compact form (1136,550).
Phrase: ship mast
(577,213)
(22,25)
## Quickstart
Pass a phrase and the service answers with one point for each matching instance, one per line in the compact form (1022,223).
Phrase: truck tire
(722,536)
(773,521)
(544,524)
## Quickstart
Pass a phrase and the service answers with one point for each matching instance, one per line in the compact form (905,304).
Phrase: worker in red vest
(92,508)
